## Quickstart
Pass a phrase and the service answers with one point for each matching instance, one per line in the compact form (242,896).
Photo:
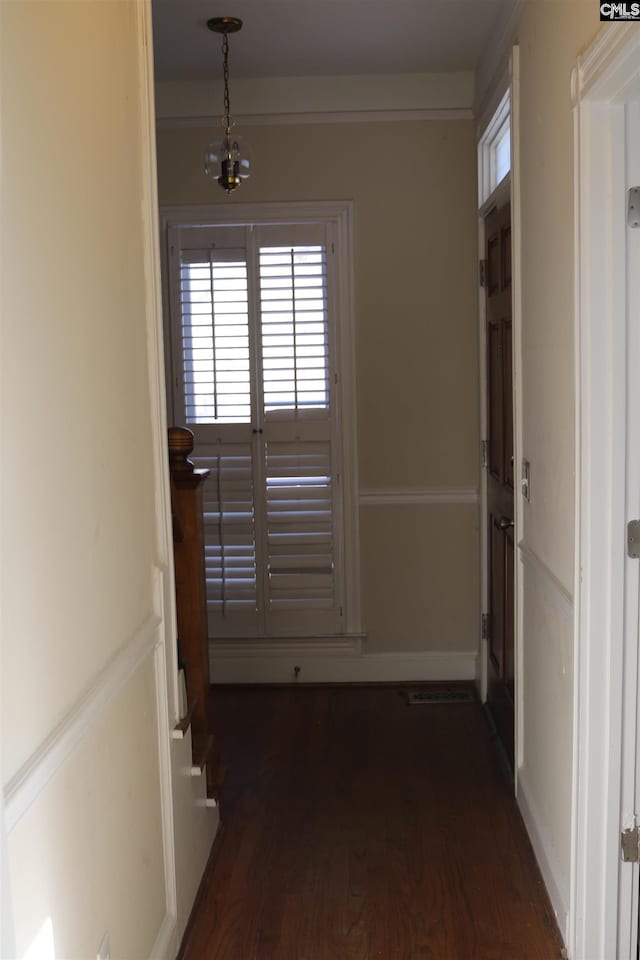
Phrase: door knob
(505,523)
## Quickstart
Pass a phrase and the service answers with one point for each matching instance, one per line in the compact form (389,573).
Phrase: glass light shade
(228,161)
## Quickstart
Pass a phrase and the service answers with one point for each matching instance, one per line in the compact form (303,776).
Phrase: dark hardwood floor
(359,828)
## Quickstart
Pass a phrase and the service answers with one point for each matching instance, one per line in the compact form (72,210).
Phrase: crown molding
(297,119)
(608,68)
(296,99)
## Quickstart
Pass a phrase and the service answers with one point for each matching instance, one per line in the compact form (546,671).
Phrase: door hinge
(483,270)
(525,480)
(484,454)
(633,207)
(633,539)
(630,845)
(484,627)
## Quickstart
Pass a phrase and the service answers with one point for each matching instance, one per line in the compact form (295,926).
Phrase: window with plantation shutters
(254,372)
(214,324)
(293,311)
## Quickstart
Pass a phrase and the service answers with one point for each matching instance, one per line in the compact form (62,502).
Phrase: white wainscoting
(166,944)
(556,883)
(31,779)
(50,757)
(554,590)
(557,599)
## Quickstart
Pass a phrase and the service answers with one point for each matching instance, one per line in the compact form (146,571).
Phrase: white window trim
(339,214)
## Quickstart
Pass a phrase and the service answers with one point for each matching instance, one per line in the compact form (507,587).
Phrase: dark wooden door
(500,468)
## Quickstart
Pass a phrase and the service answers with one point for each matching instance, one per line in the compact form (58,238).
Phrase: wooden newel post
(191,598)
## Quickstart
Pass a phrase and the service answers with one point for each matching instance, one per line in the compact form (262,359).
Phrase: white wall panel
(87,855)
(545,769)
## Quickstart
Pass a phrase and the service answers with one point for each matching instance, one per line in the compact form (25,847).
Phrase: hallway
(358,827)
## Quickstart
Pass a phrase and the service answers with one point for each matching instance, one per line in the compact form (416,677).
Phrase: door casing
(604,891)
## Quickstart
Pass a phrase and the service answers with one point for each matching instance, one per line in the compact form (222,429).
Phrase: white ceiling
(297,38)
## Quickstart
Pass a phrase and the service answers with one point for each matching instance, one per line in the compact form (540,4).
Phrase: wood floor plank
(359,828)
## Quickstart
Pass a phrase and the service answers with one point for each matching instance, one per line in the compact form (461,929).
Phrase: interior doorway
(498,403)
(498,251)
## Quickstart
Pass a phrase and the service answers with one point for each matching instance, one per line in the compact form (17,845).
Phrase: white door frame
(7,947)
(604,892)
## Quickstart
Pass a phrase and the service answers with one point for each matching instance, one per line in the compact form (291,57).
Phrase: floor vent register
(443,695)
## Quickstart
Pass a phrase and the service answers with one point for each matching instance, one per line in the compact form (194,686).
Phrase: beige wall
(439,556)
(78,514)
(413,188)
(78,508)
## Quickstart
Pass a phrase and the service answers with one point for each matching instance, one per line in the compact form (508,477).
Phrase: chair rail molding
(555,590)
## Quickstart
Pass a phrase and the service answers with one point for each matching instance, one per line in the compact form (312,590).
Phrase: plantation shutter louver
(294,321)
(253,378)
(295,347)
(299,525)
(215,336)
(229,531)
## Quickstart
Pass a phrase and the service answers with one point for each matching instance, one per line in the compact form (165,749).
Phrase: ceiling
(295,38)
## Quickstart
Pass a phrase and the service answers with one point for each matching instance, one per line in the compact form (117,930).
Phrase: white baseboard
(227,667)
(166,945)
(553,877)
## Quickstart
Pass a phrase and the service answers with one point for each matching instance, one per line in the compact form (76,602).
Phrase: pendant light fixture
(227,161)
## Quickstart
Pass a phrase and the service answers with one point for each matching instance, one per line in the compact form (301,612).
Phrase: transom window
(494,150)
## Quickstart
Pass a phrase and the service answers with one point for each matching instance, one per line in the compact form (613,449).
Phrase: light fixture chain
(226,161)
(227,104)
